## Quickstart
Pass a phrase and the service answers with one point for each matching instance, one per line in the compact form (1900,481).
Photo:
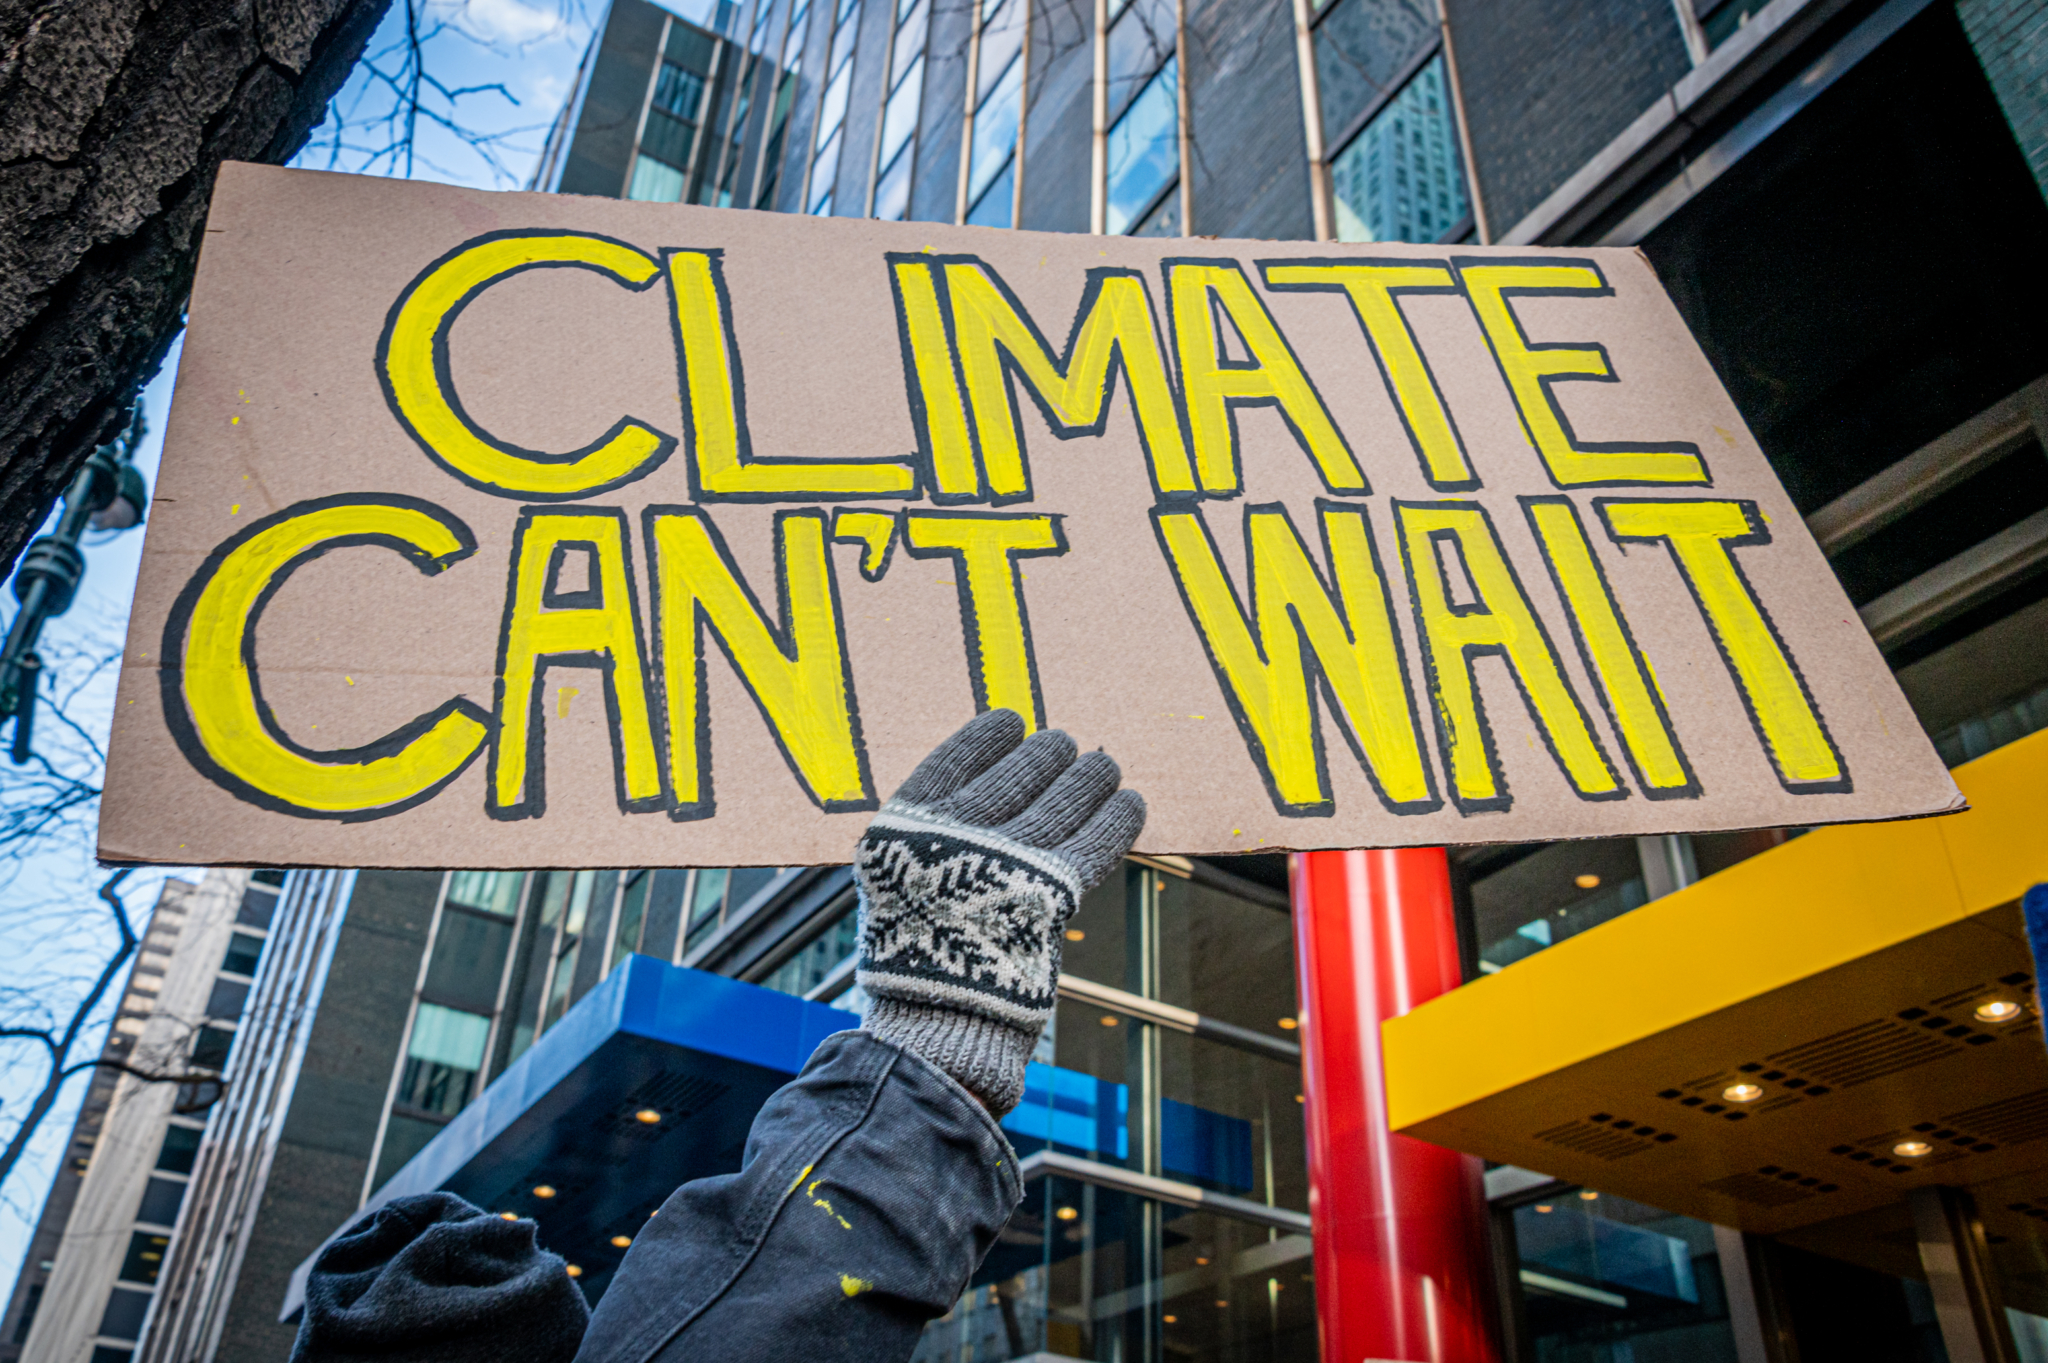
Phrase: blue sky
(517,59)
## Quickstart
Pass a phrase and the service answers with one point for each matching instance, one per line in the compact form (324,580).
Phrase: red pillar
(1400,1224)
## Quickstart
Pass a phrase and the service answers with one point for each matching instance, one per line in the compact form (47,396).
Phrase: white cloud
(502,23)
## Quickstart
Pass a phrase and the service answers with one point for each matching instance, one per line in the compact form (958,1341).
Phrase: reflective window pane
(993,209)
(1144,150)
(1362,49)
(899,121)
(1524,900)
(1226,957)
(492,892)
(1606,1279)
(1084,1272)
(1401,179)
(909,45)
(1231,1122)
(995,133)
(654,181)
(806,970)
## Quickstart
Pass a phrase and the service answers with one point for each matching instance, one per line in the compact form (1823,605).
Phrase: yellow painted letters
(1531,369)
(1609,651)
(412,361)
(796,672)
(985,548)
(1700,536)
(1214,386)
(1114,326)
(1500,621)
(722,464)
(211,695)
(1266,679)
(1374,288)
(595,625)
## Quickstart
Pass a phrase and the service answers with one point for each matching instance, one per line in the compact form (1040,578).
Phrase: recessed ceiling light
(647,1115)
(1220,1303)
(575,1271)
(1544,1207)
(543,1192)
(1108,1021)
(509,1216)
(1066,1213)
(1204,1263)
(1171,1320)
(1288,1024)
(1588,1195)
(1588,881)
(1742,1093)
(1301,1097)
(1076,935)
(621,1241)
(1998,1010)
(1912,1149)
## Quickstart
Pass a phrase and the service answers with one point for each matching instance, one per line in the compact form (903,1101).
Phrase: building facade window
(1604,1277)
(896,147)
(998,110)
(1144,158)
(1093,1267)
(825,953)
(443,1059)
(832,113)
(1400,178)
(785,99)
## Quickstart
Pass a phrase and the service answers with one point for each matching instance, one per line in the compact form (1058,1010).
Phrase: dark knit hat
(430,1278)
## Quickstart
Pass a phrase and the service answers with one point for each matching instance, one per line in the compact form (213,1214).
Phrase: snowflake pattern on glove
(961,917)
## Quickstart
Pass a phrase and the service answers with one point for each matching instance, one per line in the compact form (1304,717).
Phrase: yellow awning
(1839,973)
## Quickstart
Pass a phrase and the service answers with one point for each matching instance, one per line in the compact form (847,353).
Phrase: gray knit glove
(967,877)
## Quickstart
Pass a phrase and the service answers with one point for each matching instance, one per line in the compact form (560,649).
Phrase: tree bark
(114,117)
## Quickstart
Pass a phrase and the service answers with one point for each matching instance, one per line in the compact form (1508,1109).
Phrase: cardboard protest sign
(510,530)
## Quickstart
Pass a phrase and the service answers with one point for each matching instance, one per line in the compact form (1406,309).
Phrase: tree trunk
(114,117)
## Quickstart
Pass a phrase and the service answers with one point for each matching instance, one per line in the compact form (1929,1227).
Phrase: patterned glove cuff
(987,1058)
(961,918)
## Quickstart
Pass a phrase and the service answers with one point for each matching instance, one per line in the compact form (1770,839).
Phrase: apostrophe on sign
(853,1286)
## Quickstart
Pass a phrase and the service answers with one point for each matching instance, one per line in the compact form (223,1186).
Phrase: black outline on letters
(535,803)
(1314,677)
(1470,653)
(1063,363)
(171,673)
(743,439)
(1692,789)
(1455,287)
(1232,404)
(970,622)
(1603,290)
(780,633)
(1759,533)
(444,375)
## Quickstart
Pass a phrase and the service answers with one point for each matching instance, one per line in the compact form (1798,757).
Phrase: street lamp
(108,494)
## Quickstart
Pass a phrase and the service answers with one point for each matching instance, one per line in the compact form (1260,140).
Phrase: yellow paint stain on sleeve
(816,1201)
(853,1286)
(802,1174)
(563,695)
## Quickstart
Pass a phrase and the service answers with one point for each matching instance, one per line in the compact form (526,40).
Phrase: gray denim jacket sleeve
(873,1185)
